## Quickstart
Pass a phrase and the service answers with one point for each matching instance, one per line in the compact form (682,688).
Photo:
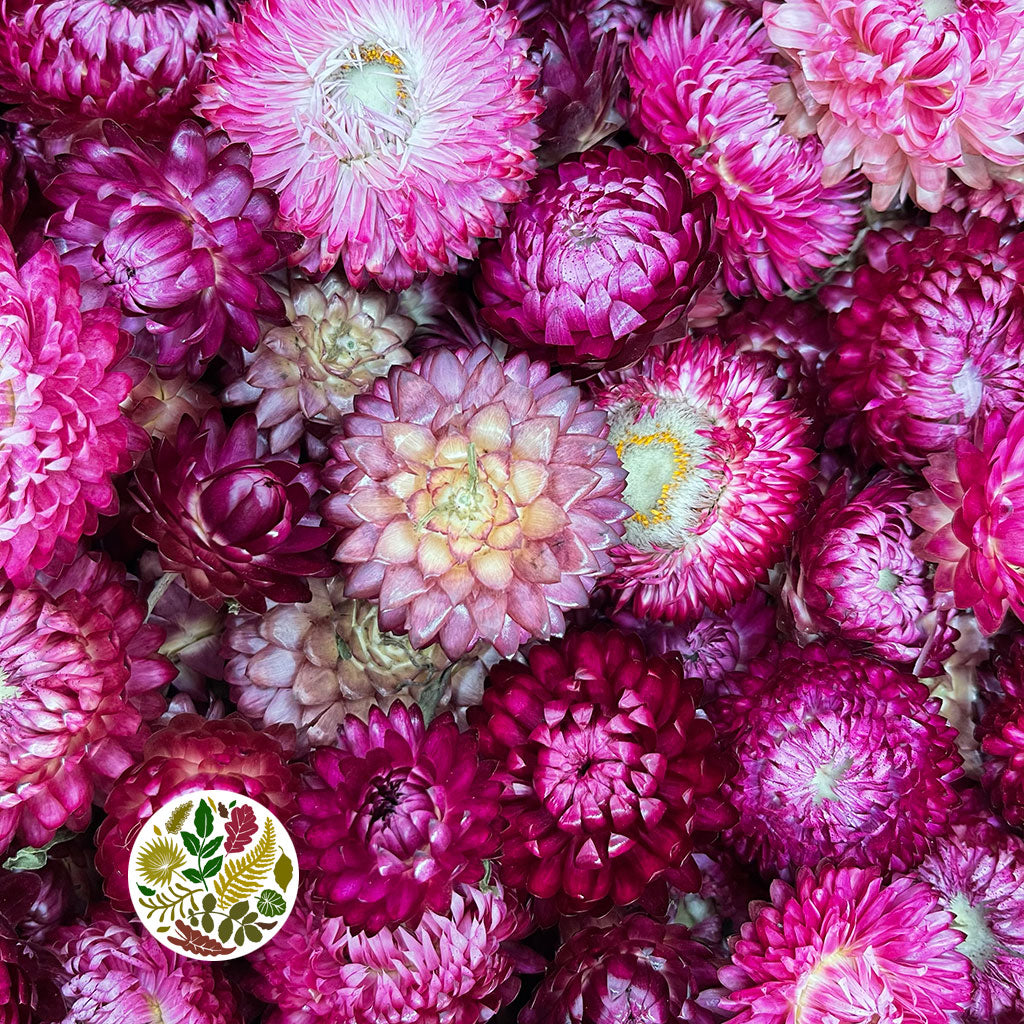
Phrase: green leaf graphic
(203,820)
(252,934)
(207,923)
(283,872)
(191,842)
(224,931)
(212,867)
(271,903)
(192,875)
(211,847)
(209,901)
(145,891)
(239,910)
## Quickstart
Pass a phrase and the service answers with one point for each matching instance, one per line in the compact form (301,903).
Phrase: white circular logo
(213,875)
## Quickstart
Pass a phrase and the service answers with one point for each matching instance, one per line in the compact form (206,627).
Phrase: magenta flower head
(63,436)
(394,132)
(610,776)
(718,468)
(603,259)
(234,522)
(69,62)
(394,815)
(928,336)
(702,92)
(13,185)
(854,575)
(906,91)
(113,970)
(1001,732)
(842,945)
(453,967)
(478,498)
(973,521)
(840,756)
(980,881)
(177,235)
(638,970)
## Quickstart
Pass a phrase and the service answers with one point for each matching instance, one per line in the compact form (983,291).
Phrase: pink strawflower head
(853,575)
(971,516)
(718,467)
(928,337)
(63,435)
(451,968)
(13,186)
(1001,732)
(1003,202)
(840,756)
(313,663)
(479,499)
(393,816)
(335,344)
(177,235)
(115,972)
(980,881)
(842,945)
(601,260)
(395,133)
(638,970)
(69,62)
(610,776)
(188,755)
(236,523)
(715,644)
(79,679)
(907,91)
(701,93)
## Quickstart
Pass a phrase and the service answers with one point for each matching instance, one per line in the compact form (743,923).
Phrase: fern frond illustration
(175,898)
(242,876)
(160,859)
(178,817)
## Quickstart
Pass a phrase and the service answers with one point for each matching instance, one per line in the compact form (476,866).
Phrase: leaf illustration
(239,910)
(271,903)
(192,875)
(283,872)
(177,898)
(177,817)
(194,941)
(145,891)
(203,820)
(209,902)
(191,842)
(210,848)
(159,859)
(224,931)
(222,810)
(243,876)
(241,828)
(212,867)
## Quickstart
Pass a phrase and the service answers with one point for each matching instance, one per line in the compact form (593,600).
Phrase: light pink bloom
(395,132)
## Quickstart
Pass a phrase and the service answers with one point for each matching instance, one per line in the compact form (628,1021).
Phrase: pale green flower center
(825,778)
(888,580)
(979,942)
(7,692)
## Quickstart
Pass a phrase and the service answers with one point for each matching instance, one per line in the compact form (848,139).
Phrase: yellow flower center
(371,74)
(656,465)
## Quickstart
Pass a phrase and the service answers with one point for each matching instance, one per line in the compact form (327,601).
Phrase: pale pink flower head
(980,881)
(63,436)
(115,972)
(906,90)
(79,678)
(701,93)
(718,467)
(601,260)
(972,516)
(451,968)
(842,945)
(175,234)
(478,499)
(395,133)
(840,756)
(70,62)
(928,337)
(853,575)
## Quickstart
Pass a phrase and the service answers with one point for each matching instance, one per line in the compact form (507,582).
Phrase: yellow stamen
(658,513)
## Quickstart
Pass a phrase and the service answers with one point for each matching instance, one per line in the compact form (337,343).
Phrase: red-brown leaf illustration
(240,827)
(194,941)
